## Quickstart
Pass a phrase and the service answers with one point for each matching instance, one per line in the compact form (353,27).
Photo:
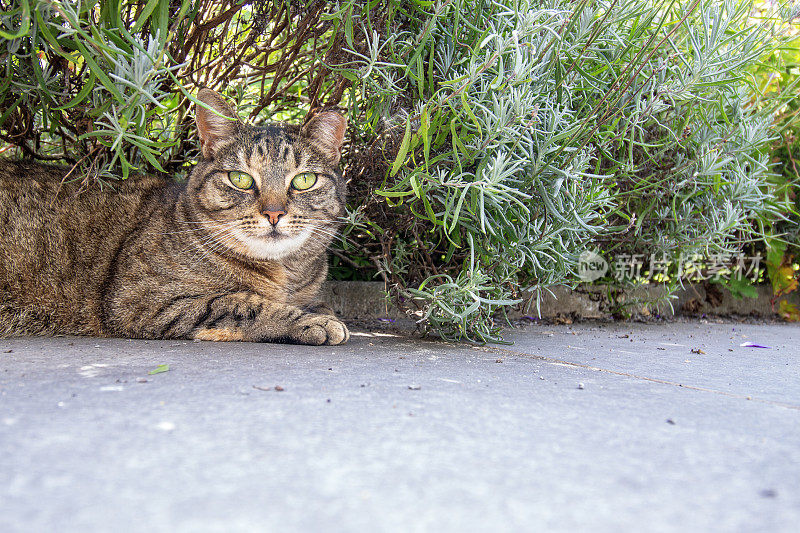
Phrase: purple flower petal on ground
(752,345)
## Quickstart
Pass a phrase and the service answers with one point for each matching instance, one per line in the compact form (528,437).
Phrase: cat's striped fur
(156,259)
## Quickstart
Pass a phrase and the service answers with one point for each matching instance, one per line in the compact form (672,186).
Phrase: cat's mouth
(272,234)
(270,243)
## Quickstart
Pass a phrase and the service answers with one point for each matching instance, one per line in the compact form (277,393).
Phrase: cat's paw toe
(322,329)
(336,331)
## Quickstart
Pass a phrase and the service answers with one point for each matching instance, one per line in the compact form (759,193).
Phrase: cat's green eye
(304,181)
(240,180)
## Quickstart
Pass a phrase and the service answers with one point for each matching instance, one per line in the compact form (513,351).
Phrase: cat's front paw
(319,329)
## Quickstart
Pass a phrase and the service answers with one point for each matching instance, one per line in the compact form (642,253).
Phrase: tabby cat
(236,253)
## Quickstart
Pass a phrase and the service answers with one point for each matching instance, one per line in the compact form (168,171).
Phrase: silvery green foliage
(122,100)
(537,128)
(699,116)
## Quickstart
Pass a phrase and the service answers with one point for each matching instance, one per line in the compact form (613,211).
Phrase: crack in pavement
(562,362)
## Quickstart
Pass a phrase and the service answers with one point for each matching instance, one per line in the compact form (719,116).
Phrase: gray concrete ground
(615,427)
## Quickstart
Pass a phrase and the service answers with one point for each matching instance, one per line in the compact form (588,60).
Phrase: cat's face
(266,193)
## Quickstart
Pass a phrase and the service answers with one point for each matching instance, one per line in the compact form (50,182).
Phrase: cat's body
(154,259)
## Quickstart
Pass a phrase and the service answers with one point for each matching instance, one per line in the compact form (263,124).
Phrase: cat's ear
(215,131)
(326,130)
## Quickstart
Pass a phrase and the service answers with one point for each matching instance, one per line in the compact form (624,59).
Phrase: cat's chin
(271,246)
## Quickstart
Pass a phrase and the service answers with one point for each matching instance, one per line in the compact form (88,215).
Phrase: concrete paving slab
(692,353)
(393,434)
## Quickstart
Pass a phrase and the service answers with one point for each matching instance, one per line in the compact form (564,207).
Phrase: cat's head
(266,192)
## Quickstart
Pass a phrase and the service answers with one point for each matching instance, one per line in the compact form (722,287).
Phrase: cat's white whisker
(331,233)
(323,229)
(212,239)
(209,238)
(210,226)
(218,241)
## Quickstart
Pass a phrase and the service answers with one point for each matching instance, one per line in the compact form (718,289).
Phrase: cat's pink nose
(274,216)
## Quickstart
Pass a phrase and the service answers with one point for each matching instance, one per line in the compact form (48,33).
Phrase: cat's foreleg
(321,309)
(244,316)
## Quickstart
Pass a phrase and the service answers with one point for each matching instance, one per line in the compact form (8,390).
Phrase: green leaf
(420,76)
(159,369)
(25,15)
(424,131)
(739,287)
(45,31)
(415,186)
(348,28)
(401,155)
(472,116)
(151,158)
(88,85)
(144,15)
